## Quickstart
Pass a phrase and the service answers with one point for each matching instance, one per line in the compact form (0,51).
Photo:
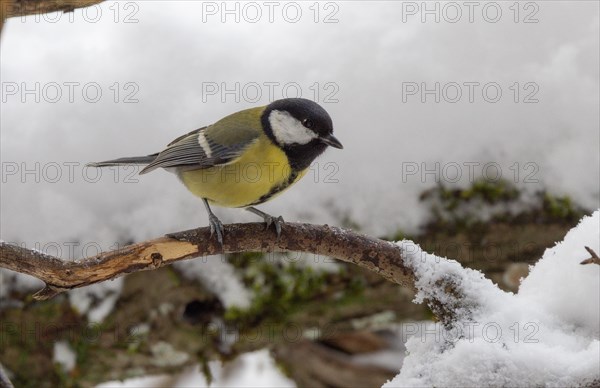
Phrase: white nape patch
(288,130)
(204,144)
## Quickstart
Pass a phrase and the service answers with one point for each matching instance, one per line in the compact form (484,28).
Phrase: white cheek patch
(288,130)
(204,144)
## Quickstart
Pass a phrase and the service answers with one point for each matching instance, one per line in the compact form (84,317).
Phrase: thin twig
(592,260)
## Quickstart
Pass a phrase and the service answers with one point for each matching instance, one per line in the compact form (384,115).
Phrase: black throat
(300,156)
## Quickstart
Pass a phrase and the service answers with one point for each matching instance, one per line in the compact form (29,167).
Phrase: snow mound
(546,335)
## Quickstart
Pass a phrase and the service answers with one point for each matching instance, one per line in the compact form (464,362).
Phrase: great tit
(246,158)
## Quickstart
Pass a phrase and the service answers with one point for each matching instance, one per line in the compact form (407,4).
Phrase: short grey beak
(332,141)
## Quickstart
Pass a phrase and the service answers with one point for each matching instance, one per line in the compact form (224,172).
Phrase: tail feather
(125,161)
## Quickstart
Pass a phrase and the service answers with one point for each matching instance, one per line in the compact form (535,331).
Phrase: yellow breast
(261,173)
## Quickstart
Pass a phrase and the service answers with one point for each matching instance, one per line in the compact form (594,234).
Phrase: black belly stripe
(276,189)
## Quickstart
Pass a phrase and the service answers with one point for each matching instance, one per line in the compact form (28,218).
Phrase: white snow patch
(140,330)
(256,369)
(139,382)
(165,355)
(14,281)
(563,287)
(388,358)
(64,355)
(546,335)
(96,301)
(219,276)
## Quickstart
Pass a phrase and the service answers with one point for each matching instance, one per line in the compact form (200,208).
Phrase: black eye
(308,123)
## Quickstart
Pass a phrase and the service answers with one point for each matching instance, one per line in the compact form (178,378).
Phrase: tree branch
(380,256)
(13,8)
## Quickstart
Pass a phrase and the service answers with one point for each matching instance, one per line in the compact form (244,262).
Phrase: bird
(246,158)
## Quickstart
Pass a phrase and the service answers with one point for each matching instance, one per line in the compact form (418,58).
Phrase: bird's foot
(216,227)
(269,219)
(276,221)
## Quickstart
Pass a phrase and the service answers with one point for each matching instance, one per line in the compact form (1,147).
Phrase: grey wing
(198,149)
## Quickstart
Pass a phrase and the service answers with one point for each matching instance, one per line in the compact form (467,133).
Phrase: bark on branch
(14,8)
(376,255)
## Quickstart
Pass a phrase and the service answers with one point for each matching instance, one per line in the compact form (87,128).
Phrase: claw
(276,221)
(269,220)
(278,224)
(216,227)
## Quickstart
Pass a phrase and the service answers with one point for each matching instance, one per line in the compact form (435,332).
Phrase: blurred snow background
(174,58)
(255,369)
(172,54)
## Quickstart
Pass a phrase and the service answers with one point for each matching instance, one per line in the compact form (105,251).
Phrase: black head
(302,128)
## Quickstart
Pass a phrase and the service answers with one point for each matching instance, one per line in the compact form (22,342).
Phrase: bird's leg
(269,219)
(216,227)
